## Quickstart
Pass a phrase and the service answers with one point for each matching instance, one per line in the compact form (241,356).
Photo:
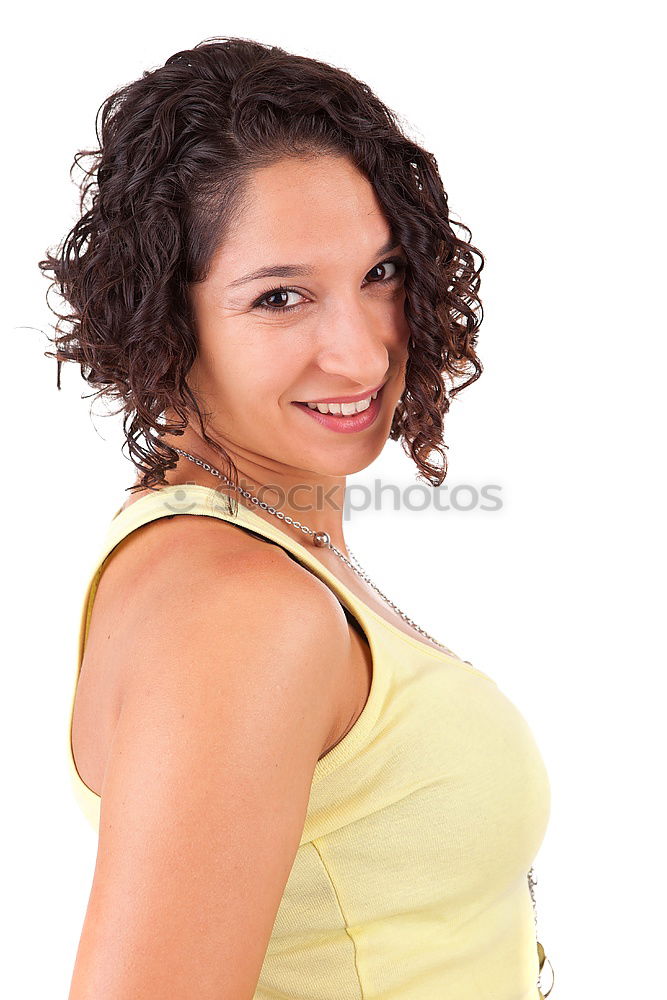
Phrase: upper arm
(228,700)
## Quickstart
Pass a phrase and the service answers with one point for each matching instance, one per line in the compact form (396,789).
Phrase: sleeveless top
(410,881)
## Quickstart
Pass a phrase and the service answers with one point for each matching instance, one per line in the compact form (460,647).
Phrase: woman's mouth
(346,423)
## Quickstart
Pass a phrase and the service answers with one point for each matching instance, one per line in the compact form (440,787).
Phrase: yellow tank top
(410,880)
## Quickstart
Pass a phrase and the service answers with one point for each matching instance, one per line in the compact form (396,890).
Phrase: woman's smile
(345,423)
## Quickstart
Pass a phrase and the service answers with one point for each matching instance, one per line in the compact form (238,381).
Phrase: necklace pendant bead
(321,539)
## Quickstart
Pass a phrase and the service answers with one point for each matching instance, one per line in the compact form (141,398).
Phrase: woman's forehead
(296,205)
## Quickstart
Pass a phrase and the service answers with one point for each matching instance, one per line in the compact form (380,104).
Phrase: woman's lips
(346,424)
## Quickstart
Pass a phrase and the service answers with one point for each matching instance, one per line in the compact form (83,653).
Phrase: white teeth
(344,409)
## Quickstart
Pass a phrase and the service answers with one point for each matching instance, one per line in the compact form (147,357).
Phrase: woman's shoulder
(189,566)
(186,545)
(178,580)
(183,549)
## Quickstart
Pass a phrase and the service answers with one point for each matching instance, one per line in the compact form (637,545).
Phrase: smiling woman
(298,792)
(185,150)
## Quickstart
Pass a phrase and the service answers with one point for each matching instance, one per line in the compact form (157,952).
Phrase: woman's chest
(449,781)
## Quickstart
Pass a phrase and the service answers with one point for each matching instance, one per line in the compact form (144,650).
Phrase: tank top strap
(193,498)
(203,501)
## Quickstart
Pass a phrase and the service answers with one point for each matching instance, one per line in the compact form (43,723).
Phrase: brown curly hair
(167,182)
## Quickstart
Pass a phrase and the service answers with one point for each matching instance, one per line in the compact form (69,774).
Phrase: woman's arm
(228,699)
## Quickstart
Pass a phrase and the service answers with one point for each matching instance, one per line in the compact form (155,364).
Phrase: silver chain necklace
(321,539)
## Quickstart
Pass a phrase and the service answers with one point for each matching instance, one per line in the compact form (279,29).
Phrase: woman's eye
(279,306)
(281,294)
(383,267)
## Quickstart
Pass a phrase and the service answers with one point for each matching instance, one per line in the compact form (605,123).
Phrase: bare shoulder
(201,581)
(168,566)
(200,575)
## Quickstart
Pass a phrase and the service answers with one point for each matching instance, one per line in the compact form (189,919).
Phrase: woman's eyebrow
(289,270)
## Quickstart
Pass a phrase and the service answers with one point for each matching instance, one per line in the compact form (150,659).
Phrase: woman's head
(325,319)
(234,157)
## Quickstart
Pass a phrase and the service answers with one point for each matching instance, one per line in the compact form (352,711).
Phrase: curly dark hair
(166,184)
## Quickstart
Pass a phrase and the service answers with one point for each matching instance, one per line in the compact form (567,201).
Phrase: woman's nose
(355,343)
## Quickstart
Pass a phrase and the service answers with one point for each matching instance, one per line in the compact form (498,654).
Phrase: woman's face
(337,329)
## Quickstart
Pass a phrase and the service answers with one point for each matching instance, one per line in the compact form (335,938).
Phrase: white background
(546,121)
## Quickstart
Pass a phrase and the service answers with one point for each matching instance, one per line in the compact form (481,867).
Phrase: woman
(298,791)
